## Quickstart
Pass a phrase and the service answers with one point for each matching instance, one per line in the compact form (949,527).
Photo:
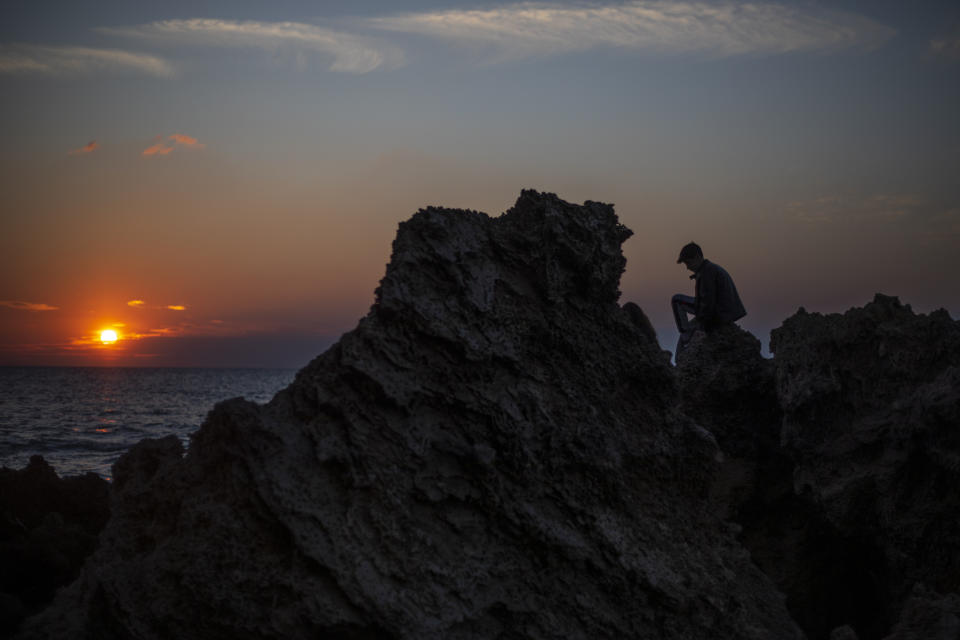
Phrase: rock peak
(542,246)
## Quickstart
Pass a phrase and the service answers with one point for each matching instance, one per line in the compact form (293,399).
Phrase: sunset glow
(108,336)
(267,152)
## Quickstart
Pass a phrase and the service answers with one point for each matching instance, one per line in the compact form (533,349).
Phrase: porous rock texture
(841,458)
(494,452)
(871,403)
(729,388)
(928,616)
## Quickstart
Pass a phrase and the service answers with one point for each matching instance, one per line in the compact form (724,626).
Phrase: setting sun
(108,336)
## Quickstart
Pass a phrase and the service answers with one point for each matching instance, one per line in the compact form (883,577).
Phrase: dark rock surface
(495,451)
(729,388)
(48,527)
(841,460)
(928,616)
(871,402)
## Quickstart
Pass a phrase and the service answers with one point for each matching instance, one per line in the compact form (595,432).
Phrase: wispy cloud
(20,305)
(162,146)
(946,223)
(716,29)
(876,208)
(946,47)
(66,60)
(158,149)
(162,332)
(352,53)
(908,213)
(186,141)
(140,304)
(88,148)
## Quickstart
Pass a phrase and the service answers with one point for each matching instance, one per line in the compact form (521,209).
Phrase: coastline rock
(495,451)
(871,403)
(729,388)
(928,616)
(48,527)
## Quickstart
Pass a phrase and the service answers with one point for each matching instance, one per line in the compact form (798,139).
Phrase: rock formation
(499,450)
(48,527)
(871,403)
(729,388)
(840,455)
(495,451)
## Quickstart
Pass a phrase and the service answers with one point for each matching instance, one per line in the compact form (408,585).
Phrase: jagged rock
(928,616)
(641,321)
(845,632)
(495,451)
(871,402)
(729,388)
(48,528)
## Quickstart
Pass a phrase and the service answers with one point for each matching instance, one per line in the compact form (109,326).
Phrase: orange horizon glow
(110,331)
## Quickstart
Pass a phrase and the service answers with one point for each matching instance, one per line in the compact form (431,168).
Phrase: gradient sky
(220,181)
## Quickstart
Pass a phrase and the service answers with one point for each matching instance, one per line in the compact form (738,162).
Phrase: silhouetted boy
(716,303)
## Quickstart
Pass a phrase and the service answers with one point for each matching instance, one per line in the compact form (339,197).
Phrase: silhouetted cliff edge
(842,458)
(500,450)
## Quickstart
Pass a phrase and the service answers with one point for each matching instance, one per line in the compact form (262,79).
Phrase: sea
(82,419)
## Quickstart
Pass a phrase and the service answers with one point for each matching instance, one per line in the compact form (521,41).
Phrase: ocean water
(82,419)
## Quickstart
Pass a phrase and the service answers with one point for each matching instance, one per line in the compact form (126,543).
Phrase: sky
(219,182)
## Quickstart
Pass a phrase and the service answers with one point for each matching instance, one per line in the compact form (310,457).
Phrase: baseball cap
(690,250)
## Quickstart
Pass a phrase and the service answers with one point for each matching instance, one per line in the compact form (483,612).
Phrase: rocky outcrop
(48,527)
(729,388)
(928,616)
(495,451)
(871,402)
(840,458)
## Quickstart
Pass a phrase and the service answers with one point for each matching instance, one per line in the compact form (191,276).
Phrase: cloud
(945,223)
(186,141)
(716,29)
(90,147)
(161,147)
(908,213)
(946,47)
(140,304)
(158,333)
(351,53)
(158,149)
(836,208)
(62,60)
(19,305)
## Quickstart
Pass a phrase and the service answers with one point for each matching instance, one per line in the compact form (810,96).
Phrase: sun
(108,336)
